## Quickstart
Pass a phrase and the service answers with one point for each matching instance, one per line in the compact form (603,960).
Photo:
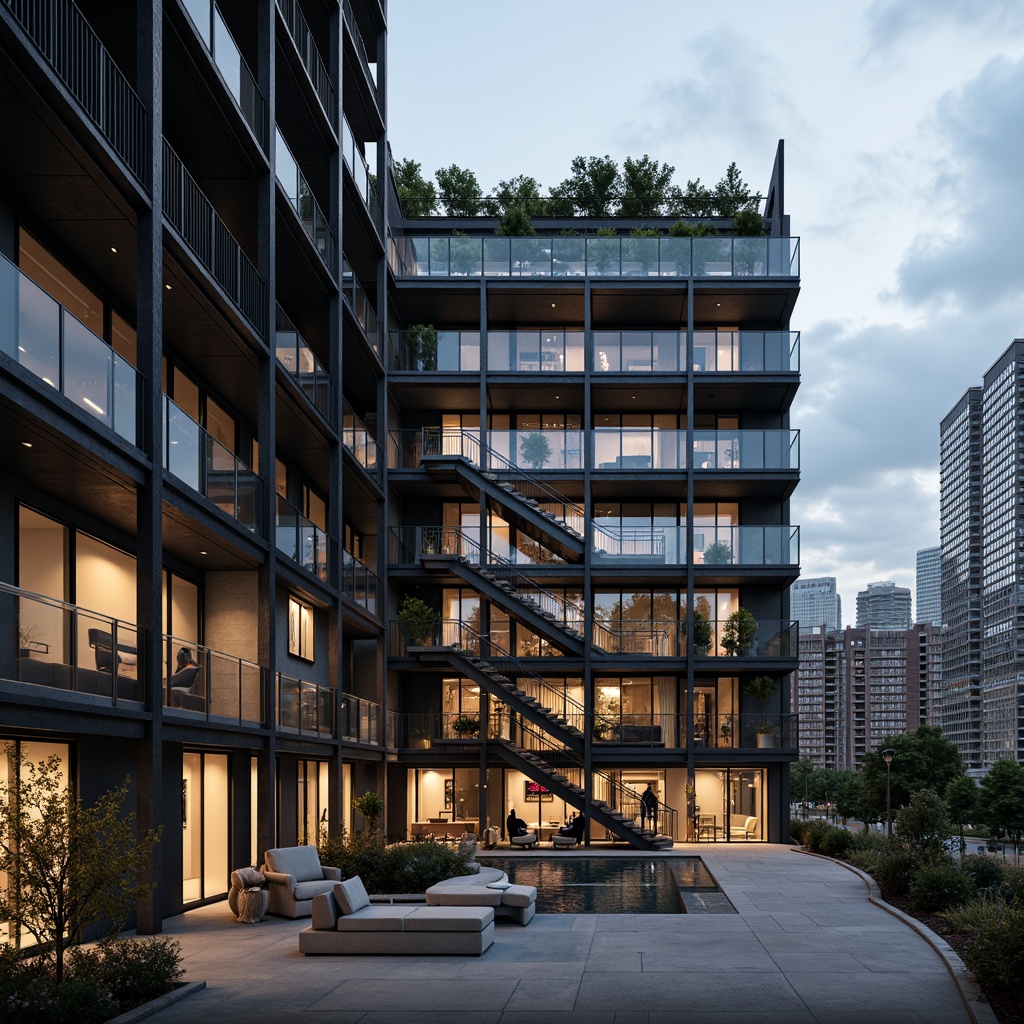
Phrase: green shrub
(996,954)
(1011,885)
(30,994)
(798,831)
(974,915)
(895,871)
(938,887)
(986,871)
(815,834)
(837,842)
(398,867)
(866,860)
(132,970)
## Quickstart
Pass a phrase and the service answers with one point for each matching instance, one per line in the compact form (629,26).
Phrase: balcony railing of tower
(407,447)
(369,66)
(202,230)
(298,359)
(555,256)
(362,309)
(666,638)
(712,545)
(60,645)
(304,707)
(361,174)
(301,36)
(40,335)
(66,41)
(359,441)
(201,462)
(456,351)
(746,449)
(211,27)
(300,197)
(302,541)
(226,688)
(360,720)
(359,583)
(746,351)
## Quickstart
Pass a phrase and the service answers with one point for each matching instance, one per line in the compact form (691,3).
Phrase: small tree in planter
(739,632)
(702,631)
(466,725)
(418,620)
(762,689)
(535,449)
(422,342)
(371,806)
(718,553)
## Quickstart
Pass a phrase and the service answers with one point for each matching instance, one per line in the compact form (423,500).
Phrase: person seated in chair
(514,826)
(575,828)
(185,660)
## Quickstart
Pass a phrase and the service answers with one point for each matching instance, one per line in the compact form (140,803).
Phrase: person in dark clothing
(514,826)
(649,808)
(574,829)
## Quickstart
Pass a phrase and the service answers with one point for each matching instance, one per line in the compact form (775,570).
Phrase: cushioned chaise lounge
(489,888)
(344,924)
(294,876)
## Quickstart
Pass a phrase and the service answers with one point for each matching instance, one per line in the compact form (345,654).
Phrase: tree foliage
(593,186)
(518,193)
(67,865)
(645,186)
(515,223)
(923,825)
(731,193)
(696,201)
(962,800)
(1001,801)
(418,195)
(459,192)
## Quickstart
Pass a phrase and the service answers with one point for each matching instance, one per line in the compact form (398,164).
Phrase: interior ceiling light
(167,286)
(202,552)
(552,305)
(113,248)
(26,444)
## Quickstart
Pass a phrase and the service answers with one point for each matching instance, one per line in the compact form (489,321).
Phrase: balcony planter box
(765,740)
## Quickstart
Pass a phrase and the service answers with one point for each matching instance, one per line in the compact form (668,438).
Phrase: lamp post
(887,756)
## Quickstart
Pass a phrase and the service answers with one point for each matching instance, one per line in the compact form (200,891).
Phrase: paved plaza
(805,947)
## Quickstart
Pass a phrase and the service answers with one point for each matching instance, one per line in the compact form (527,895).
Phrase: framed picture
(449,793)
(184,803)
(535,792)
(300,629)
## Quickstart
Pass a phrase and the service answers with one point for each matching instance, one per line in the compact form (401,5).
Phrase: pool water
(577,884)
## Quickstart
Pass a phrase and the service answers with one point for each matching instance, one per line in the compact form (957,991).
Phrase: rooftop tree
(645,187)
(460,194)
(520,192)
(731,193)
(593,186)
(418,195)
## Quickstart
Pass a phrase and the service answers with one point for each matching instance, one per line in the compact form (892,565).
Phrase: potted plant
(535,449)
(761,689)
(465,725)
(702,631)
(739,632)
(422,342)
(418,620)
(718,553)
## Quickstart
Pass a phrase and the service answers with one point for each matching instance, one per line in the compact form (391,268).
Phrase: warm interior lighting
(92,405)
(167,286)
(113,248)
(26,444)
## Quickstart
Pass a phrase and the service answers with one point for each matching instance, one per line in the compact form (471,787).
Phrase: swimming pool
(577,884)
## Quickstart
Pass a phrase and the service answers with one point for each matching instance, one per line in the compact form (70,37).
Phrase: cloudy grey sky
(904,130)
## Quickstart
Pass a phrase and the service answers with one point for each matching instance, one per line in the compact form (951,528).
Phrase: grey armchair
(294,876)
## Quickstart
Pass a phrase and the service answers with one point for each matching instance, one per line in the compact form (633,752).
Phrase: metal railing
(362,309)
(746,351)
(224,687)
(452,351)
(539,256)
(192,215)
(712,545)
(746,449)
(301,36)
(68,44)
(359,583)
(298,359)
(361,174)
(304,707)
(301,540)
(742,731)
(301,199)
(51,643)
(535,351)
(201,462)
(359,441)
(360,720)
(666,638)
(369,66)
(40,335)
(211,27)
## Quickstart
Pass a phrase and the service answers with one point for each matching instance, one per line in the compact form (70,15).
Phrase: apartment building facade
(250,411)
(816,602)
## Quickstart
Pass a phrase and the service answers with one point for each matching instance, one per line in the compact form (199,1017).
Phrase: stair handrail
(626,800)
(503,659)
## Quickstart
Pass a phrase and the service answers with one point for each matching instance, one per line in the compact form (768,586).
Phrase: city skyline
(891,114)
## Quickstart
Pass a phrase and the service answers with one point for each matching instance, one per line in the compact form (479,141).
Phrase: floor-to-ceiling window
(205,808)
(312,801)
(730,804)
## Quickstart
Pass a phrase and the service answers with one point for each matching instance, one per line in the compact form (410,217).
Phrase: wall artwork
(184,803)
(535,792)
(449,793)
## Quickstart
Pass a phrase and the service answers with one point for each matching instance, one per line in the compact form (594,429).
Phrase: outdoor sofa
(490,887)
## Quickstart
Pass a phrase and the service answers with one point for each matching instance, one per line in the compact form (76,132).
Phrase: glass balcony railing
(639,448)
(639,351)
(308,54)
(539,449)
(297,358)
(211,27)
(361,174)
(68,44)
(444,351)
(301,540)
(746,351)
(217,685)
(539,256)
(202,463)
(362,309)
(535,351)
(359,583)
(360,720)
(304,707)
(206,235)
(40,335)
(300,197)
(369,66)
(359,441)
(746,449)
(55,644)
(667,639)
(712,545)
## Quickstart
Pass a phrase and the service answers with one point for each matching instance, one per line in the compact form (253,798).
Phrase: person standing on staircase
(649,808)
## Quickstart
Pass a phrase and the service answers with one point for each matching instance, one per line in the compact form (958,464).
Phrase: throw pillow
(351,895)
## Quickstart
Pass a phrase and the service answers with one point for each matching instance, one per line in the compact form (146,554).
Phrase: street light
(887,756)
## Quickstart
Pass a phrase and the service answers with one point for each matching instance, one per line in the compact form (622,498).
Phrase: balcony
(360,442)
(300,199)
(301,540)
(448,352)
(539,449)
(535,351)
(360,721)
(202,463)
(369,66)
(746,351)
(359,583)
(667,639)
(362,309)
(224,687)
(726,257)
(304,708)
(66,41)
(746,450)
(192,215)
(297,358)
(741,546)
(43,337)
(241,83)
(64,647)
(301,36)
(361,175)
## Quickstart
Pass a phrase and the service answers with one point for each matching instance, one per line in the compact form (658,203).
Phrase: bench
(488,888)
(345,924)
